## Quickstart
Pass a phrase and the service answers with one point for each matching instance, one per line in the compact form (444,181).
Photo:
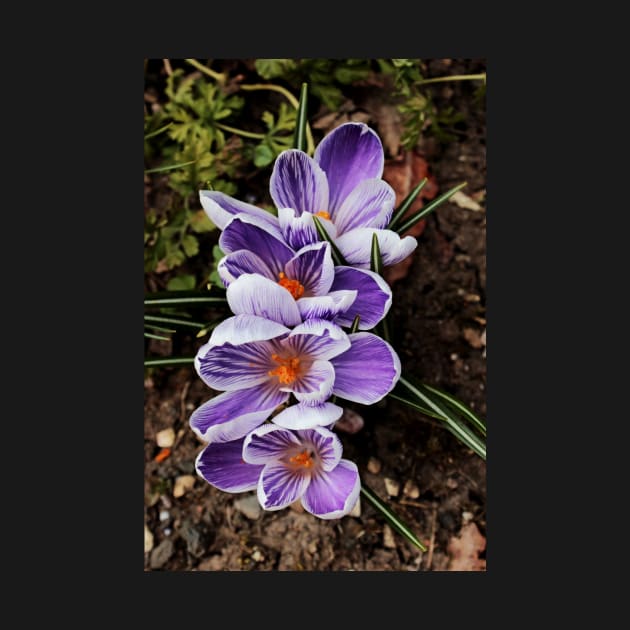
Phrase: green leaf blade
(299,140)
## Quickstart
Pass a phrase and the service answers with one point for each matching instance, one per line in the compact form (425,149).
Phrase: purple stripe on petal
(252,234)
(373,301)
(268,443)
(314,386)
(317,339)
(279,486)
(297,231)
(242,329)
(233,265)
(313,267)
(220,208)
(366,372)
(356,246)
(233,415)
(256,295)
(370,204)
(325,444)
(349,154)
(298,182)
(333,494)
(228,367)
(302,416)
(326,306)
(222,466)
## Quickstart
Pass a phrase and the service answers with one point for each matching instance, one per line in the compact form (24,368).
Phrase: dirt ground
(430,480)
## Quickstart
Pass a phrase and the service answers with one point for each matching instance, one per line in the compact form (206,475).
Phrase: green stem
(310,148)
(157,131)
(393,520)
(241,132)
(168,361)
(416,406)
(188,298)
(217,76)
(152,336)
(172,320)
(459,406)
(170,167)
(455,77)
(300,123)
(406,204)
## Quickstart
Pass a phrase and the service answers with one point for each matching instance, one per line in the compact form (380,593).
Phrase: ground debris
(249,506)
(464,550)
(183,484)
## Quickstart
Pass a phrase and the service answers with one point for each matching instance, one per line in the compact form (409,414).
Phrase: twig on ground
(432,540)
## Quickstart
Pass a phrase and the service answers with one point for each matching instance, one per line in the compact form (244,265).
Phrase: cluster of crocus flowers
(284,356)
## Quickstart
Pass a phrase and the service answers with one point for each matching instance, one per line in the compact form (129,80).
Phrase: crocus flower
(307,285)
(341,185)
(259,363)
(285,466)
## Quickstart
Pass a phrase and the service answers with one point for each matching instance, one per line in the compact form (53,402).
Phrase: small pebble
(411,490)
(350,422)
(183,484)
(257,556)
(454,356)
(165,438)
(249,507)
(388,537)
(296,506)
(168,531)
(148,540)
(312,548)
(164,515)
(451,483)
(467,517)
(392,487)
(374,466)
(161,554)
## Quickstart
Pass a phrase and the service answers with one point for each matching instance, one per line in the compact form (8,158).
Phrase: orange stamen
(292,286)
(287,370)
(323,214)
(302,459)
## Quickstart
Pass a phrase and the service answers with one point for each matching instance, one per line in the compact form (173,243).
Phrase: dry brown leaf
(466,202)
(464,550)
(473,337)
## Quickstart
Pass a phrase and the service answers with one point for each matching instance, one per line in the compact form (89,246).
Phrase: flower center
(292,286)
(303,459)
(287,371)
(323,214)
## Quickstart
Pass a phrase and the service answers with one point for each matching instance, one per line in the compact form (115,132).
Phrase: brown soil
(438,328)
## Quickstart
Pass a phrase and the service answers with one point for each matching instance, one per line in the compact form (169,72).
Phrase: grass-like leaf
(152,336)
(412,403)
(168,361)
(430,207)
(459,406)
(170,167)
(449,418)
(184,298)
(151,134)
(376,264)
(323,235)
(355,324)
(299,139)
(395,522)
(406,204)
(174,321)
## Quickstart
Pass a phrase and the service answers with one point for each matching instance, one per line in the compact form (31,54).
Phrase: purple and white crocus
(259,363)
(285,466)
(341,184)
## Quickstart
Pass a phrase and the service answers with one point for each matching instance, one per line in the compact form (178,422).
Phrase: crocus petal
(326,446)
(313,267)
(326,306)
(333,494)
(318,339)
(298,182)
(356,246)
(220,208)
(280,486)
(268,443)
(300,231)
(256,295)
(303,416)
(370,204)
(233,265)
(233,415)
(250,233)
(229,368)
(368,371)
(373,301)
(349,154)
(221,465)
(241,329)
(315,385)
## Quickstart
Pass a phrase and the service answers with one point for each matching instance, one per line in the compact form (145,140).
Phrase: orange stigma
(302,459)
(292,286)
(287,370)
(323,214)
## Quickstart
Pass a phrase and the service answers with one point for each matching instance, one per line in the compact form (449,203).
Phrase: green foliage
(214,278)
